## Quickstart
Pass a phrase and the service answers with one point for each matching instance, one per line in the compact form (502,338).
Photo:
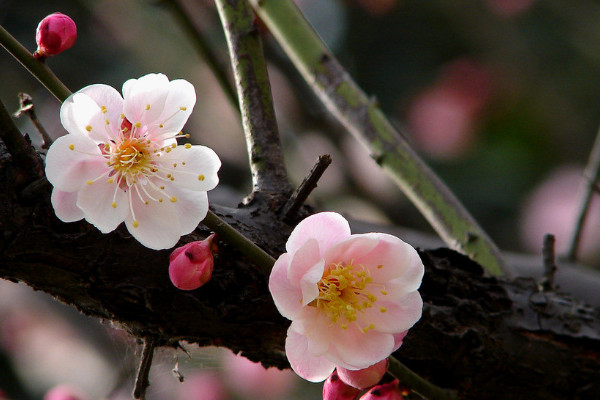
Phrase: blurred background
(499,96)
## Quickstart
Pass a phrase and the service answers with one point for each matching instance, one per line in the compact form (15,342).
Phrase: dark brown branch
(26,107)
(141,381)
(305,188)
(549,259)
(254,92)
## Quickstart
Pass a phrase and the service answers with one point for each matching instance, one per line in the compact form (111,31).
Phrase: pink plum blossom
(55,34)
(191,265)
(335,389)
(364,378)
(120,161)
(351,298)
(64,392)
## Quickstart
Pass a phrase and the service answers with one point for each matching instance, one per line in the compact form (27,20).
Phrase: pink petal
(398,316)
(309,281)
(358,350)
(64,206)
(67,169)
(191,207)
(351,249)
(312,368)
(196,167)
(76,113)
(327,228)
(144,98)
(181,94)
(287,297)
(110,98)
(96,201)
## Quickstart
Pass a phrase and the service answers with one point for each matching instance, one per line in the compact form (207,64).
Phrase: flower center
(344,292)
(131,157)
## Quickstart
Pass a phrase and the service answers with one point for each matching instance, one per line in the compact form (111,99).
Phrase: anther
(200,177)
(183,108)
(89,182)
(173,199)
(114,205)
(187,146)
(138,124)
(103,109)
(88,128)
(147,106)
(136,224)
(71,147)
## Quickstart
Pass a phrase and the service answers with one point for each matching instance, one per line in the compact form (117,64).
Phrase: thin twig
(19,148)
(417,384)
(26,107)
(205,49)
(591,175)
(306,187)
(549,258)
(37,68)
(141,381)
(364,119)
(254,92)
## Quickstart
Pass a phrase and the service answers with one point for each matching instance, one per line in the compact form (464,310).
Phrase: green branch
(417,384)
(365,120)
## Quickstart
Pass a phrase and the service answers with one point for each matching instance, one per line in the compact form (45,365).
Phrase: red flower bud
(55,34)
(387,391)
(335,389)
(191,266)
(364,378)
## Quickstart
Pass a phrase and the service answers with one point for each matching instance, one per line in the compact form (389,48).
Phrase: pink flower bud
(191,266)
(364,378)
(335,389)
(55,34)
(387,391)
(64,392)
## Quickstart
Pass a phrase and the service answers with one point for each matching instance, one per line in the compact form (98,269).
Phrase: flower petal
(194,168)
(312,368)
(144,98)
(397,316)
(351,249)
(287,297)
(65,206)
(72,160)
(178,106)
(191,207)
(108,97)
(358,350)
(157,224)
(96,201)
(80,114)
(326,227)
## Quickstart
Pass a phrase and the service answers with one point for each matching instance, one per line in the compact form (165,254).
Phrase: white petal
(398,316)
(157,224)
(96,201)
(327,228)
(310,367)
(108,97)
(65,206)
(67,169)
(144,98)
(194,168)
(191,207)
(177,109)
(287,296)
(80,114)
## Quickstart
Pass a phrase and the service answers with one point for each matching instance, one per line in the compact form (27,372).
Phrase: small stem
(36,67)
(306,187)
(205,50)
(591,175)
(26,106)
(364,119)
(254,92)
(141,381)
(549,258)
(240,242)
(19,148)
(419,385)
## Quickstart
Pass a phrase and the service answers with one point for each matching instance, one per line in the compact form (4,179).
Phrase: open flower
(120,161)
(351,298)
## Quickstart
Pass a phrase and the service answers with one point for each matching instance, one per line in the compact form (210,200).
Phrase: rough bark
(488,338)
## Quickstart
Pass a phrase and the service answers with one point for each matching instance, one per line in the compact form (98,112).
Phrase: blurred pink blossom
(64,392)
(552,208)
(443,117)
(253,381)
(202,385)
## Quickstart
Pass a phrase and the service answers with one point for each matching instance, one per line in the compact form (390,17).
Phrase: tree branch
(254,92)
(364,119)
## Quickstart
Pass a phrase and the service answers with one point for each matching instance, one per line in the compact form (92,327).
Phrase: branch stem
(591,175)
(364,119)
(142,382)
(255,99)
(306,187)
(417,384)
(36,67)
(26,107)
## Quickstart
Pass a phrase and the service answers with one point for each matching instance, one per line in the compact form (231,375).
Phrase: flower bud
(364,378)
(64,392)
(191,266)
(335,389)
(387,391)
(55,34)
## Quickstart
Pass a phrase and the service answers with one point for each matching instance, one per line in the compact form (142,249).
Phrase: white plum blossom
(351,298)
(120,161)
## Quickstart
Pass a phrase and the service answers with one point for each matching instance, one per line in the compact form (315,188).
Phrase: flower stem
(240,242)
(254,92)
(419,385)
(364,119)
(36,67)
